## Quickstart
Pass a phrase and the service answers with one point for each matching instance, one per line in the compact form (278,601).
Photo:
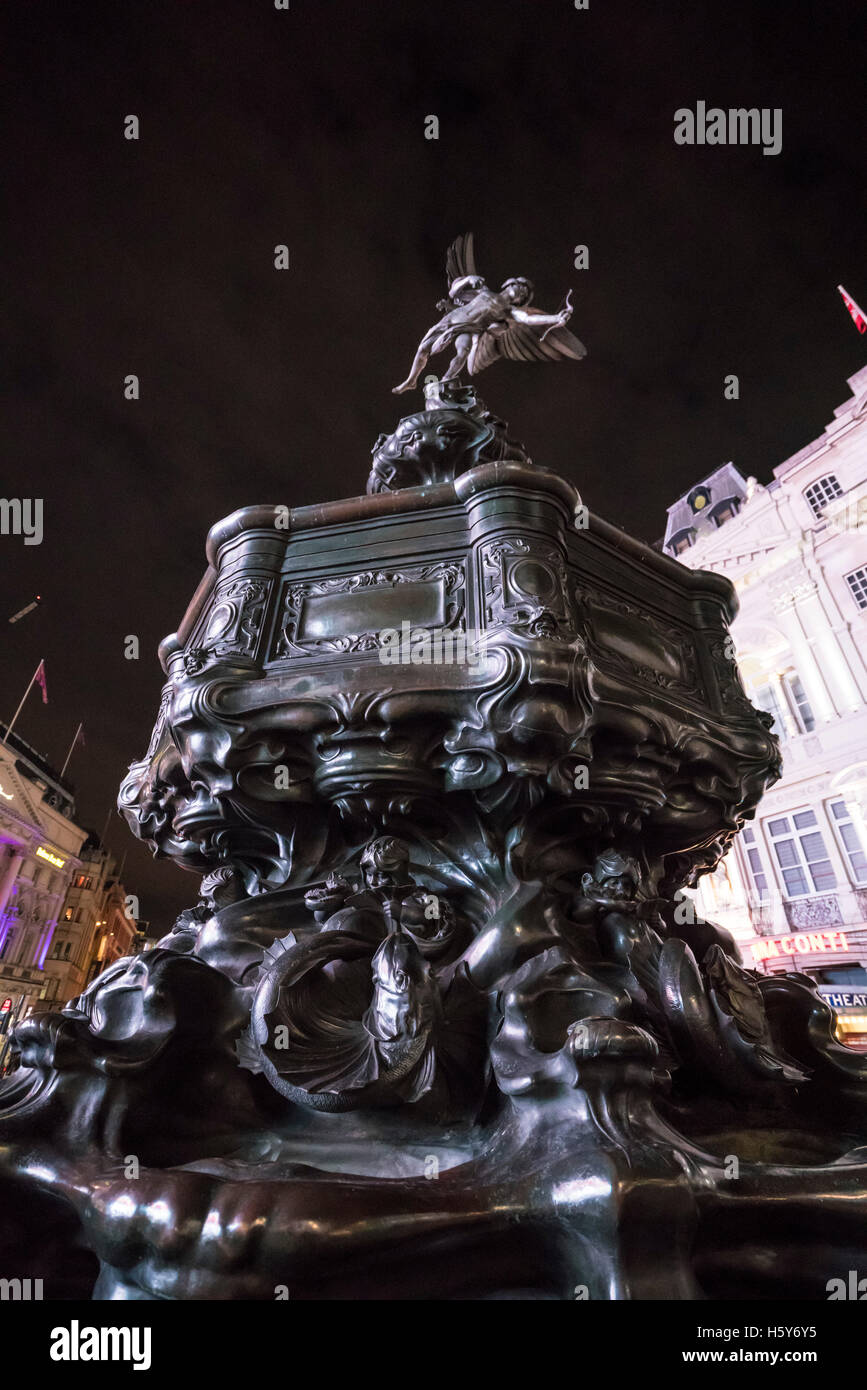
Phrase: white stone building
(794,890)
(39,849)
(94,927)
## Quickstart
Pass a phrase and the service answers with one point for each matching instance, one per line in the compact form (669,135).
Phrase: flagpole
(10,727)
(69,754)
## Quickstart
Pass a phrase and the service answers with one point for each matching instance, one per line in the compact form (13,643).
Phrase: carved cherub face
(377,878)
(618,886)
(384,863)
(615,876)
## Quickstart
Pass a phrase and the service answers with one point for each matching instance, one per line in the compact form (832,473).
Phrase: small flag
(40,680)
(858,316)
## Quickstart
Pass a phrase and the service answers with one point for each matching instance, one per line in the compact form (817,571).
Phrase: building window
(681,540)
(851,840)
(799,702)
(725,510)
(820,493)
(801,854)
(857,582)
(754,860)
(775,696)
(843,975)
(67,915)
(765,696)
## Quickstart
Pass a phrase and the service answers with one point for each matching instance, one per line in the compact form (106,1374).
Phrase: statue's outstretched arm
(539,320)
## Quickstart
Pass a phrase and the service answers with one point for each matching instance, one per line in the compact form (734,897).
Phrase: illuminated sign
(804,944)
(5,1006)
(844,999)
(55,859)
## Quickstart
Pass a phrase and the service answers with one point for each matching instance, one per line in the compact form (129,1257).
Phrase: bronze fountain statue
(442,1023)
(481,324)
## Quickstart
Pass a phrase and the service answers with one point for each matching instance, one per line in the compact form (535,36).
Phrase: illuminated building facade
(94,927)
(794,889)
(39,856)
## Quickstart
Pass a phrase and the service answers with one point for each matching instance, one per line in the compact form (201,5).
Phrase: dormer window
(681,541)
(820,493)
(725,510)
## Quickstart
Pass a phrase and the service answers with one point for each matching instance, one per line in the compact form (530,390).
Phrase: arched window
(821,492)
(682,540)
(724,511)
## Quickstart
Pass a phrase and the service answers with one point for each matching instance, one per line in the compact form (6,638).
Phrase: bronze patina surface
(442,1022)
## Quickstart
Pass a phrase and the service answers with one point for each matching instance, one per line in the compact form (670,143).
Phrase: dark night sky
(260,127)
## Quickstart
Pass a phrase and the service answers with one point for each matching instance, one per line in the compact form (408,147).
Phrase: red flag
(40,680)
(858,315)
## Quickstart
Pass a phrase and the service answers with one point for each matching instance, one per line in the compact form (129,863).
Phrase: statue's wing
(460,258)
(523,342)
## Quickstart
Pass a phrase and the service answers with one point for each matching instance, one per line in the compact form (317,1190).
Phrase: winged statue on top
(481,325)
